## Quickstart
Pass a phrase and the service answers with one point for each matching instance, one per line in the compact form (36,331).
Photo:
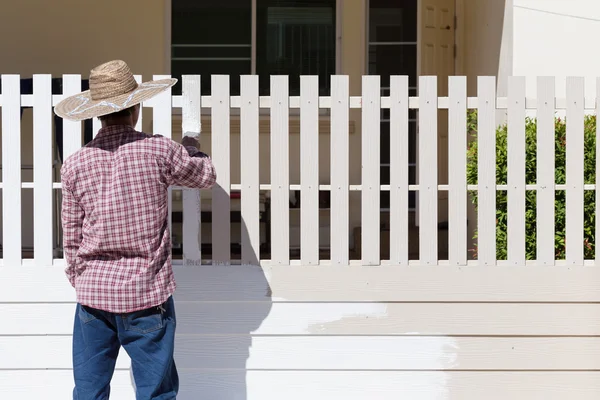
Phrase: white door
(436,29)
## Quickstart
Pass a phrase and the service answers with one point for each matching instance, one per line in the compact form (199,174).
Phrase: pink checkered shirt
(117,242)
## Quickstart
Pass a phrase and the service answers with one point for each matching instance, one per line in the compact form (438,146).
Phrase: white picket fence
(314,328)
(309,103)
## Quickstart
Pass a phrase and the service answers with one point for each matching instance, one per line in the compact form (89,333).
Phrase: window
(392,50)
(292,37)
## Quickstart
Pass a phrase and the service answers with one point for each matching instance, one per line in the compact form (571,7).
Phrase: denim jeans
(148,336)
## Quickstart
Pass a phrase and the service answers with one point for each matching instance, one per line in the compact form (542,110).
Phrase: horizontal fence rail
(532,176)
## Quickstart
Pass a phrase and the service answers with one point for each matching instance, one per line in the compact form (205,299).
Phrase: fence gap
(457,170)
(250,171)
(339,167)
(486,175)
(191,199)
(11,170)
(428,172)
(545,194)
(370,203)
(516,171)
(42,170)
(574,171)
(597,199)
(280,173)
(309,164)
(221,151)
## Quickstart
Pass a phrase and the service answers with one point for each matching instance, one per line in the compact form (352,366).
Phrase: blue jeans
(148,336)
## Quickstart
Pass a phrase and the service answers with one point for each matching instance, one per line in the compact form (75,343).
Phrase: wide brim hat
(112,88)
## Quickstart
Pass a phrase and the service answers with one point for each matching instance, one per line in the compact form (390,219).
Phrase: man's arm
(189,167)
(72,224)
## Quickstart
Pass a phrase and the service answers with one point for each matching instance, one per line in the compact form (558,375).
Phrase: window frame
(338,49)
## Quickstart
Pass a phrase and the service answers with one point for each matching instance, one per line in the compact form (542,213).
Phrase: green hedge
(530,174)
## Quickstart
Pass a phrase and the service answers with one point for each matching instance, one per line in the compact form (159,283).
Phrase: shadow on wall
(217,308)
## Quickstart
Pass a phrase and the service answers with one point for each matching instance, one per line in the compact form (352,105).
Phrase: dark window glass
(392,20)
(386,60)
(211,38)
(295,37)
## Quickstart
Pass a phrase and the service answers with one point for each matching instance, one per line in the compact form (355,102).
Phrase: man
(117,242)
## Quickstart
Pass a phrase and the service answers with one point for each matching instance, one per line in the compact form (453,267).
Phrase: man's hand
(189,141)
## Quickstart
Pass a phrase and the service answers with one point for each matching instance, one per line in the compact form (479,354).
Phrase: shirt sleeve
(191,168)
(72,223)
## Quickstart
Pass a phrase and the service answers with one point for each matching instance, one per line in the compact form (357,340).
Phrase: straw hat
(112,88)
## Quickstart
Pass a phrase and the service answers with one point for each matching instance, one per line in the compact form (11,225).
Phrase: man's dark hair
(123,113)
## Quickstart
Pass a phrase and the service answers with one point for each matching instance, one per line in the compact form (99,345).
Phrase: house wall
(556,38)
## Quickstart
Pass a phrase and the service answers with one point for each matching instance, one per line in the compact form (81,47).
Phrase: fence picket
(138,126)
(280,175)
(162,115)
(516,170)
(399,170)
(221,203)
(71,129)
(11,170)
(192,254)
(457,172)
(574,171)
(545,171)
(486,170)
(428,174)
(309,164)
(371,108)
(597,200)
(250,194)
(42,171)
(340,177)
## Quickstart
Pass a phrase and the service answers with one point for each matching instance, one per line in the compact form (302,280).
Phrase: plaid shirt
(117,242)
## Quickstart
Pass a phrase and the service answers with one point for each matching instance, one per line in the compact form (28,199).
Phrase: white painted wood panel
(249,163)
(309,169)
(43,201)
(335,353)
(191,126)
(71,130)
(486,175)
(162,125)
(340,173)
(339,284)
(280,171)
(371,140)
(330,385)
(11,169)
(574,171)
(399,170)
(221,154)
(267,319)
(516,170)
(457,170)
(545,171)
(428,170)
(139,126)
